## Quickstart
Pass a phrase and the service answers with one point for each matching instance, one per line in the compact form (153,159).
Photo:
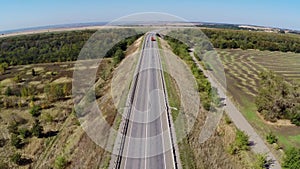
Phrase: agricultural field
(242,68)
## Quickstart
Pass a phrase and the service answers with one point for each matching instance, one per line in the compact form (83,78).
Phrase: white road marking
(136,93)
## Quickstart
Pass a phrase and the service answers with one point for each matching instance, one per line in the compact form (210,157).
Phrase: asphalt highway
(148,140)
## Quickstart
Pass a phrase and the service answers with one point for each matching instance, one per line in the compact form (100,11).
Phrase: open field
(242,68)
(62,136)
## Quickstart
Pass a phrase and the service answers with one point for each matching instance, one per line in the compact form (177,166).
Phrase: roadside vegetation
(291,159)
(36,107)
(208,94)
(227,138)
(264,84)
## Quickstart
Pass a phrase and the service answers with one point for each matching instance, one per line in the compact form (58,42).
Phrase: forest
(42,48)
(232,39)
(66,46)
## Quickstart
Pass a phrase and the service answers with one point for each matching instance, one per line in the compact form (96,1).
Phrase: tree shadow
(251,143)
(25,161)
(3,142)
(50,134)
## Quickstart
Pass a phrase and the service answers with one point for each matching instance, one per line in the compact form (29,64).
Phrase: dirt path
(257,143)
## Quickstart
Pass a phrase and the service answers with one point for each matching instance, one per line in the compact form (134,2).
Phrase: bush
(278,99)
(16,158)
(261,162)
(291,159)
(16,141)
(241,143)
(232,149)
(37,129)
(227,120)
(242,140)
(24,133)
(271,138)
(60,162)
(35,111)
(54,92)
(8,91)
(3,67)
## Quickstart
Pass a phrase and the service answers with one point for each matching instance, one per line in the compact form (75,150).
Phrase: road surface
(148,141)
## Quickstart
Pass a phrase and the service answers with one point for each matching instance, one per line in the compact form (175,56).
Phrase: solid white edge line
(169,129)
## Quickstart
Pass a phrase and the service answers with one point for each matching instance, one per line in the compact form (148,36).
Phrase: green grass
(187,158)
(173,96)
(186,153)
(242,68)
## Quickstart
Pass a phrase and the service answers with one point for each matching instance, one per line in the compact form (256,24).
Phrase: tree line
(232,39)
(61,46)
(44,47)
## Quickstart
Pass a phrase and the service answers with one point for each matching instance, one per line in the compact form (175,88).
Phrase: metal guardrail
(169,116)
(126,123)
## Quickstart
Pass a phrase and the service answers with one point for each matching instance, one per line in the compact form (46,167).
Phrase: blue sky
(15,14)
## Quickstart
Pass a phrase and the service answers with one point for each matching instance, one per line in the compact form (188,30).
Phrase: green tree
(273,100)
(60,162)
(24,133)
(3,67)
(37,129)
(35,111)
(8,91)
(16,158)
(118,56)
(291,159)
(271,138)
(16,141)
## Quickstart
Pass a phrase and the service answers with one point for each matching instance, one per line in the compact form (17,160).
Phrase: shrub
(37,129)
(3,67)
(54,92)
(291,159)
(8,91)
(60,162)
(35,111)
(227,120)
(242,140)
(16,141)
(261,161)
(16,158)
(240,143)
(24,133)
(271,138)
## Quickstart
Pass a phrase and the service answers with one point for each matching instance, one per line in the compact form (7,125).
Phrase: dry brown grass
(69,140)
